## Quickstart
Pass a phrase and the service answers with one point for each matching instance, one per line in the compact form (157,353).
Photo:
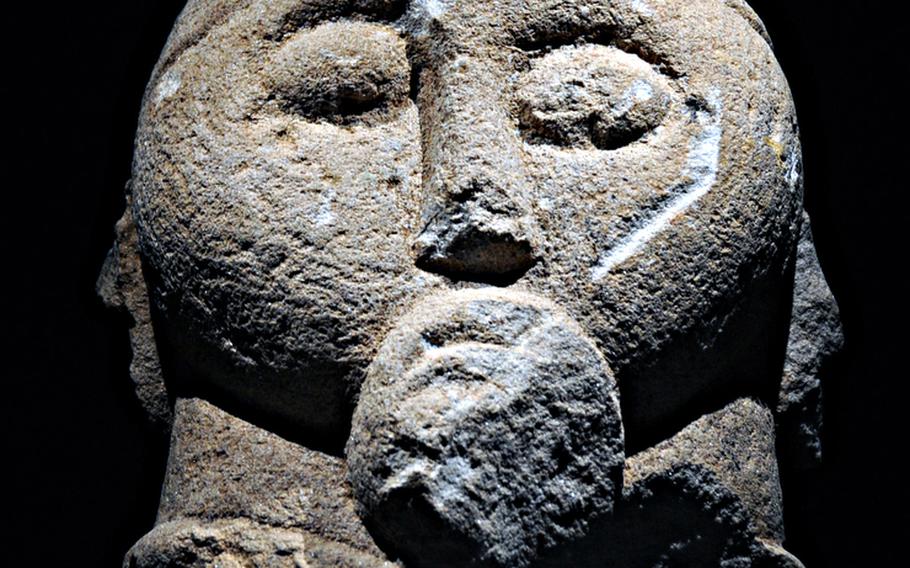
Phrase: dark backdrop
(85,470)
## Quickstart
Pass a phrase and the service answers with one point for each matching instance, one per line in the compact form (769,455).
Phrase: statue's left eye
(591,96)
(344,73)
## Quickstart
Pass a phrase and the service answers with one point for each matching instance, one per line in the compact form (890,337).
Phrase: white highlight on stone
(451,477)
(421,13)
(325,216)
(701,167)
(793,175)
(640,91)
(435,8)
(403,478)
(545,204)
(169,84)
(642,7)
(350,61)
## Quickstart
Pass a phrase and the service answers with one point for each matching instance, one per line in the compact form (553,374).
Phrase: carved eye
(591,95)
(342,73)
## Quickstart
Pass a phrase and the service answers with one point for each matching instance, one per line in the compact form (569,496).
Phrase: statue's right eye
(343,73)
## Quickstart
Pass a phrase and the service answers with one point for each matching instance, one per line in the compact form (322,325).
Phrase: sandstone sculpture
(454,283)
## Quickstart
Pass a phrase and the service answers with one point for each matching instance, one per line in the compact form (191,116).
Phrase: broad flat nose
(477,224)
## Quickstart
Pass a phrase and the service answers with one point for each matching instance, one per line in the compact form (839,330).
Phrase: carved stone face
(309,176)
(305,172)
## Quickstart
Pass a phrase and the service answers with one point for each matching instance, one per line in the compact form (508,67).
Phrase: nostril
(497,252)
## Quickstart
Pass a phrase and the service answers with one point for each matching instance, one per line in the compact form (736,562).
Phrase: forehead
(511,21)
(668,33)
(510,15)
(680,38)
(496,22)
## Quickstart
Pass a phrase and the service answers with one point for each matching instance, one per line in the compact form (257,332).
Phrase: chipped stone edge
(121,285)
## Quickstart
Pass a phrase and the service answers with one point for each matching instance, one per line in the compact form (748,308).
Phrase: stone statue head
(506,283)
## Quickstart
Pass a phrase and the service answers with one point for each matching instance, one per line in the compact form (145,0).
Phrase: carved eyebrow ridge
(313,12)
(199,18)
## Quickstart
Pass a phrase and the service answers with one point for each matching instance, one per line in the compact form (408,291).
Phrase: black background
(83,469)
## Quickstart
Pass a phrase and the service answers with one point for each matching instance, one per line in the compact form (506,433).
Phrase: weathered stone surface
(488,430)
(708,496)
(121,285)
(736,444)
(221,467)
(683,515)
(815,338)
(462,219)
(746,11)
(242,543)
(282,224)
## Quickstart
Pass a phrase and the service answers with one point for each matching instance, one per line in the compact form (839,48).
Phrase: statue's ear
(815,338)
(121,285)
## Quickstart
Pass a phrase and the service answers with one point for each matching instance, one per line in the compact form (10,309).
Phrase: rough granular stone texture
(736,444)
(488,430)
(241,543)
(221,467)
(816,337)
(681,516)
(410,244)
(298,165)
(708,496)
(121,285)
